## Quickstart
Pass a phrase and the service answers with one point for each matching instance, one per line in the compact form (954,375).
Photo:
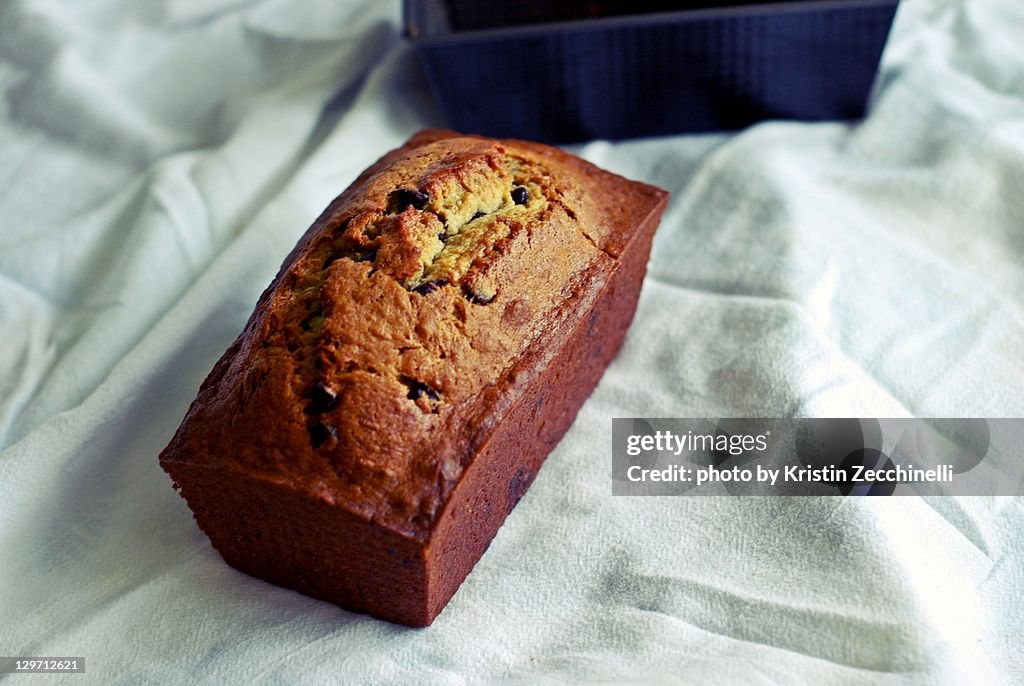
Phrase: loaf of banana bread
(420,352)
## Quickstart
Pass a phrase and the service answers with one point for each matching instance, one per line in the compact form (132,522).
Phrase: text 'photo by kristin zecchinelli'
(808,456)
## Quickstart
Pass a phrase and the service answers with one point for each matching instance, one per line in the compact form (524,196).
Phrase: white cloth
(159,159)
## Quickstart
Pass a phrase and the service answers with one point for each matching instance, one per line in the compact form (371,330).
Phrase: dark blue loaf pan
(690,70)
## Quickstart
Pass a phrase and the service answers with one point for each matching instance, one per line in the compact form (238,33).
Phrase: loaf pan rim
(412,10)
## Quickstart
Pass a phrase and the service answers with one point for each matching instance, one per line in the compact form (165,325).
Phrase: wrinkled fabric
(159,159)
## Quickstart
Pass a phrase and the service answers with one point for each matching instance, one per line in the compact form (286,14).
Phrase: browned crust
(436,392)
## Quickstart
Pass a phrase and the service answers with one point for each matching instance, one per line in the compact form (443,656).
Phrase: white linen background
(159,159)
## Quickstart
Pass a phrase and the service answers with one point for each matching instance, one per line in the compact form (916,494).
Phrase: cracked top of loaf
(402,326)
